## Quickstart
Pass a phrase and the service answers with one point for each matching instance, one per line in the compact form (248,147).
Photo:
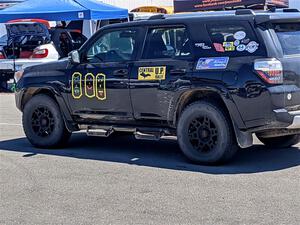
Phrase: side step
(99,132)
(147,136)
(141,133)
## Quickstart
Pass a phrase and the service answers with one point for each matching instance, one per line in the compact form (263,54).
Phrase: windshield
(289,37)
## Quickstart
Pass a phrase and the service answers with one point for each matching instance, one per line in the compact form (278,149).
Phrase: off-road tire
(43,123)
(193,132)
(280,142)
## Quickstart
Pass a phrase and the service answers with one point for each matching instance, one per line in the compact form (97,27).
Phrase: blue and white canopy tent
(57,10)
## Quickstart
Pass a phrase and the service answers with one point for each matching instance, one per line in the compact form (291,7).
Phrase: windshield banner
(203,5)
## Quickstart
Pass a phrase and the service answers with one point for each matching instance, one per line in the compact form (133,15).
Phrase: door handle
(178,72)
(120,73)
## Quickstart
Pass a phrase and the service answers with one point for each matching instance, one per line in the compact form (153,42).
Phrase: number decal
(89,85)
(101,86)
(93,86)
(76,85)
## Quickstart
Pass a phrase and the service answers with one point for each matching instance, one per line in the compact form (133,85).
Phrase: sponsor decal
(241,48)
(203,46)
(101,86)
(219,47)
(93,86)
(245,41)
(252,47)
(89,85)
(76,85)
(229,46)
(240,35)
(81,15)
(236,43)
(152,73)
(213,63)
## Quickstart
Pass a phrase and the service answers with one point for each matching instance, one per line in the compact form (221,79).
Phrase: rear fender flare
(244,139)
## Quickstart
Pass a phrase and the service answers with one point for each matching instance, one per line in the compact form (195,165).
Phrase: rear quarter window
(231,39)
(289,37)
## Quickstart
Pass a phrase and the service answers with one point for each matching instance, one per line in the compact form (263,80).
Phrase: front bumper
(18,98)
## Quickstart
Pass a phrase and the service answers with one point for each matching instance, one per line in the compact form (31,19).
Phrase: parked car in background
(24,44)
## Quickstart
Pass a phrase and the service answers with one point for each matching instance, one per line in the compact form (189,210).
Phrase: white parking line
(11,124)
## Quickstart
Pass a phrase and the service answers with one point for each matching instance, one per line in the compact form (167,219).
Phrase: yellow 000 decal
(76,85)
(93,86)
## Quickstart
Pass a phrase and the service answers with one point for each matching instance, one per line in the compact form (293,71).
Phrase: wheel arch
(222,99)
(52,93)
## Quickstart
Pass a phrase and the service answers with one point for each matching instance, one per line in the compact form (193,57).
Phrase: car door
(162,69)
(99,85)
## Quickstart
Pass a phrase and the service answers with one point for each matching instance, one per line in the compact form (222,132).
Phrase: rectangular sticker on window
(214,63)
(152,73)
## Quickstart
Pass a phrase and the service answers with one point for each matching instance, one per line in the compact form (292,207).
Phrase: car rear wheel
(205,134)
(280,142)
(43,123)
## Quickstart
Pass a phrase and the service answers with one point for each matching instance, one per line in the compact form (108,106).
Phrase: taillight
(2,56)
(40,53)
(270,70)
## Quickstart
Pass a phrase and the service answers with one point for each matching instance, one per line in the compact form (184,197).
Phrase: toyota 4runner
(211,79)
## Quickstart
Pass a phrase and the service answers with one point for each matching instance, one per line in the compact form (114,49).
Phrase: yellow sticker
(76,87)
(229,46)
(152,73)
(89,85)
(101,86)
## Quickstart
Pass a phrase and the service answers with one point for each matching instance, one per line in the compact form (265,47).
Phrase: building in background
(132,4)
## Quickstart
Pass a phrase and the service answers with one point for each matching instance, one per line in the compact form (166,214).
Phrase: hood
(47,69)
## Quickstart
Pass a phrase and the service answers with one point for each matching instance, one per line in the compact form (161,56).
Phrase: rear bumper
(292,118)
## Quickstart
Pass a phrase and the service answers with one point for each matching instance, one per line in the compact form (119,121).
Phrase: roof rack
(240,12)
(288,10)
(157,17)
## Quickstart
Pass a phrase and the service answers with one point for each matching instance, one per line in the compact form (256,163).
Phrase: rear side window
(167,43)
(289,37)
(234,40)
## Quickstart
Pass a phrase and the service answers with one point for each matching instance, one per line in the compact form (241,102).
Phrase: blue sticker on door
(213,63)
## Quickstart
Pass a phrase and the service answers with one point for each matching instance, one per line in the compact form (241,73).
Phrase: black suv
(211,79)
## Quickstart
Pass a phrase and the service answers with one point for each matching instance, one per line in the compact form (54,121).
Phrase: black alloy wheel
(205,134)
(43,123)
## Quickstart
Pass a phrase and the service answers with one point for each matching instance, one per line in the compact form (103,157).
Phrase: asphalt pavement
(120,180)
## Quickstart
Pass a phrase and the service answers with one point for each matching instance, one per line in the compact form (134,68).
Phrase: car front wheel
(43,123)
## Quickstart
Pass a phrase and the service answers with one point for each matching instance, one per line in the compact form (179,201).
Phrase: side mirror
(74,57)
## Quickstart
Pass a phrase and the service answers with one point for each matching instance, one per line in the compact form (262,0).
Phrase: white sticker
(252,47)
(239,35)
(80,15)
(241,48)
(203,46)
(237,43)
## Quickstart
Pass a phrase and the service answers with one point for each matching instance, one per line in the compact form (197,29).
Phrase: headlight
(18,75)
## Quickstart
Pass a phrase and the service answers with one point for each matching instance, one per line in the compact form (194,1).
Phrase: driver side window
(114,46)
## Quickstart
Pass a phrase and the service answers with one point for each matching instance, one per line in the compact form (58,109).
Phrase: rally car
(211,79)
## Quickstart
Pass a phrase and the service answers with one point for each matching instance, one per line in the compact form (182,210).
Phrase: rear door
(162,69)
(288,35)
